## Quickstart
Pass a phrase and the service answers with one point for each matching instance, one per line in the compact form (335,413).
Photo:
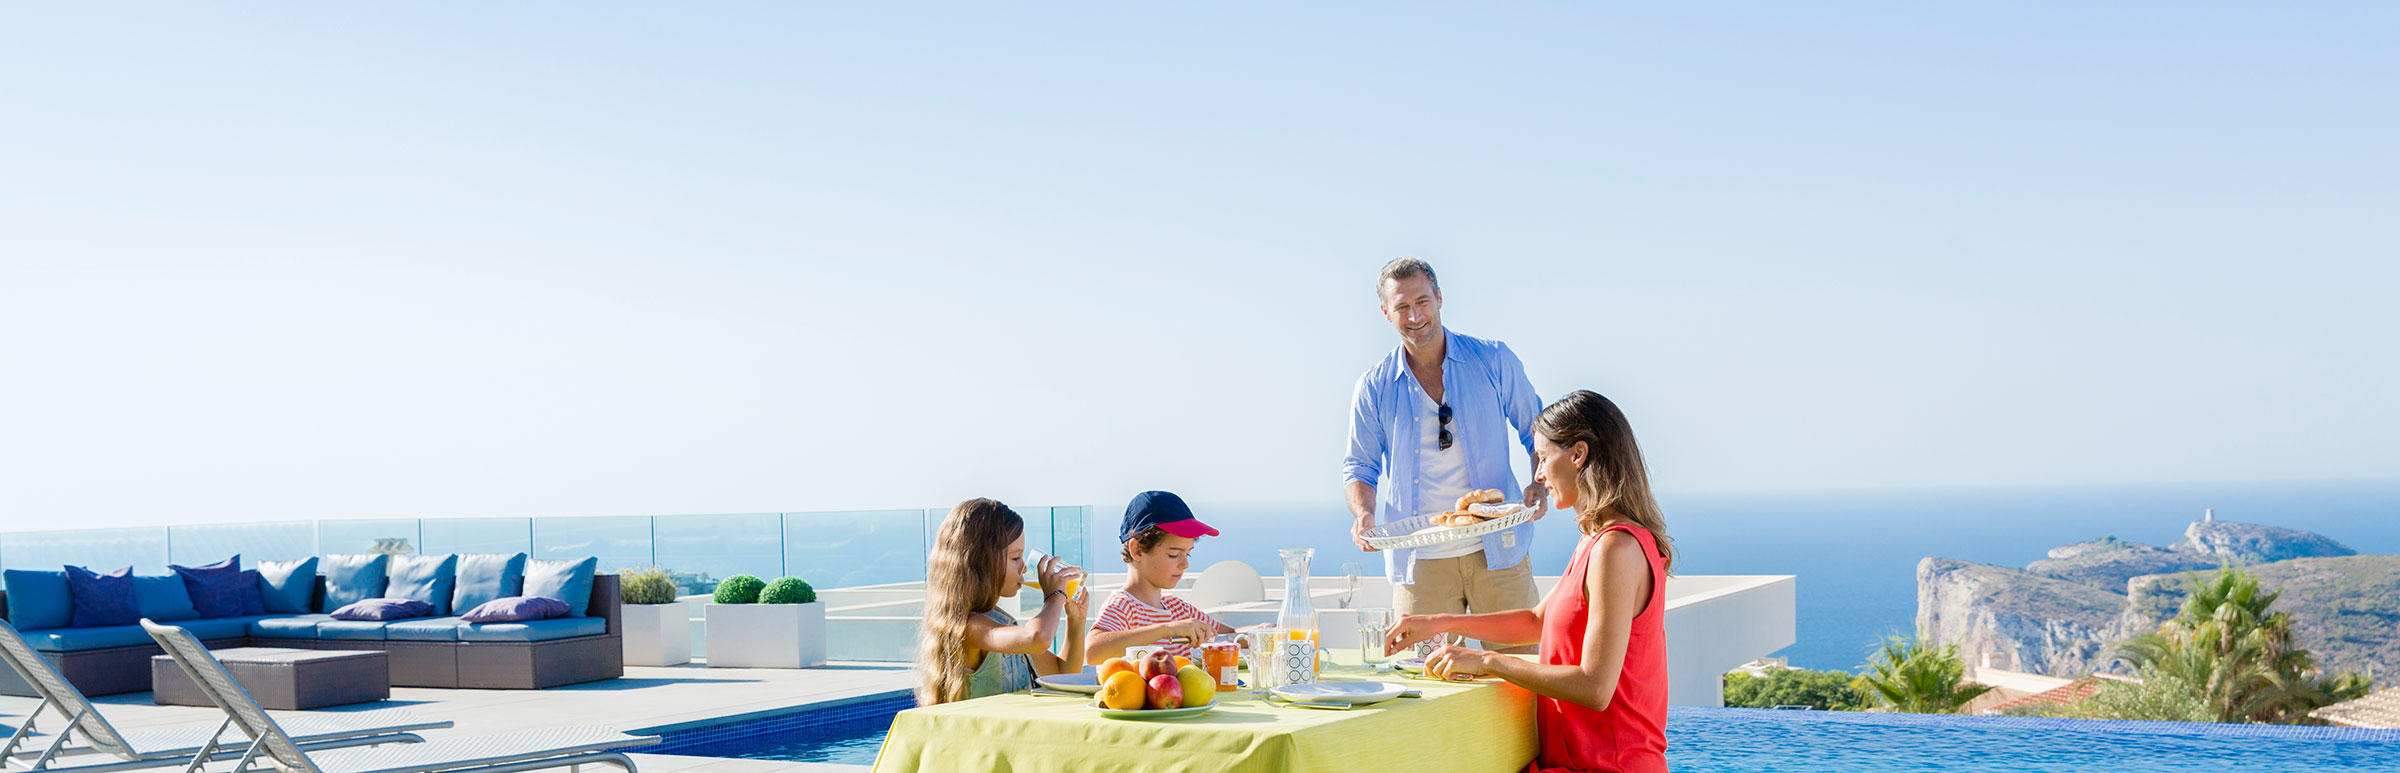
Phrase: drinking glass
(1372,625)
(1350,573)
(1264,643)
(1033,573)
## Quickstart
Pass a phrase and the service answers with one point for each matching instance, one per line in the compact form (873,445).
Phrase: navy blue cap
(1163,510)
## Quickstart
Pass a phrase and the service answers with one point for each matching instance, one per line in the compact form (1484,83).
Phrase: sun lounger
(503,753)
(88,741)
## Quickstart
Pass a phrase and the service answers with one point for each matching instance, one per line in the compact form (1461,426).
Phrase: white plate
(1409,664)
(1076,682)
(1152,713)
(1340,692)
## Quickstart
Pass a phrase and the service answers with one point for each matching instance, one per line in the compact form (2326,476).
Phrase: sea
(1855,553)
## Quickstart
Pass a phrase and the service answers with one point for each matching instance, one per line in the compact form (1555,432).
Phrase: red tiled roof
(2379,709)
(2068,694)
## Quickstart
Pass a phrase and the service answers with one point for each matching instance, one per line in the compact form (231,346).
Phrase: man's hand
(1537,499)
(1358,534)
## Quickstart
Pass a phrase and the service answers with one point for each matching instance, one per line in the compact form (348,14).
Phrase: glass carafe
(1298,617)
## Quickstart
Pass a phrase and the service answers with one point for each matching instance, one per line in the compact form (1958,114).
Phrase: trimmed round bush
(740,589)
(789,590)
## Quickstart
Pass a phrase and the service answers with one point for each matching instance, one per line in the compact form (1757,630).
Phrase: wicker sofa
(424,652)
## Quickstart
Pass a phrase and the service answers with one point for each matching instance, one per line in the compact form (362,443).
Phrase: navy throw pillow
(254,600)
(102,599)
(516,609)
(384,609)
(216,588)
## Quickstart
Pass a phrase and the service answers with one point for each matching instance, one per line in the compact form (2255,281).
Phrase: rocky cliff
(2064,614)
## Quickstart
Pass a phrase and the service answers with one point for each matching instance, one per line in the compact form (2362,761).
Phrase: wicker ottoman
(284,679)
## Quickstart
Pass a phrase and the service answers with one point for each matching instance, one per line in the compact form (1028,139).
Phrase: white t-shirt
(1441,475)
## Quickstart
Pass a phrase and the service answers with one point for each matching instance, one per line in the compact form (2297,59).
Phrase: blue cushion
(351,630)
(538,630)
(76,639)
(215,588)
(215,628)
(102,600)
(163,598)
(350,579)
(568,581)
(424,578)
(486,576)
(289,627)
(39,599)
(287,586)
(423,629)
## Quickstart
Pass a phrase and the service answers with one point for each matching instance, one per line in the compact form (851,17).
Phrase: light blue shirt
(1485,386)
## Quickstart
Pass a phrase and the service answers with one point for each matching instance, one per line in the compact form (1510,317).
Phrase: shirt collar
(1450,353)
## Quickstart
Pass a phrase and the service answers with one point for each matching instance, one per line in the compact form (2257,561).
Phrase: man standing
(1429,424)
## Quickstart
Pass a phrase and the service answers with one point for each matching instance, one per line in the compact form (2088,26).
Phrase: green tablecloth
(1455,728)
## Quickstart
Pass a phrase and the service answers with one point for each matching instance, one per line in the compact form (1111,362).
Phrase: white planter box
(657,634)
(766,635)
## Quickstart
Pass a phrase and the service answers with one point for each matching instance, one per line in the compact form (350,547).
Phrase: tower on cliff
(2208,515)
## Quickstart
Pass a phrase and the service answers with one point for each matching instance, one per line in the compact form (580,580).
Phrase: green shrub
(646,586)
(789,590)
(1825,690)
(740,589)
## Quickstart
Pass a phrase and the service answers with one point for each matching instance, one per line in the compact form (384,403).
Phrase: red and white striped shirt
(1123,612)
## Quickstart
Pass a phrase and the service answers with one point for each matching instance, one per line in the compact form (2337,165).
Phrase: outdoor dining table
(1457,727)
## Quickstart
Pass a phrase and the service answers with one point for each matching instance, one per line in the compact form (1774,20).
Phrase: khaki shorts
(1449,586)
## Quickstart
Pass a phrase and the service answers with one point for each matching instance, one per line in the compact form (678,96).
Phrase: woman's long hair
(1613,478)
(963,578)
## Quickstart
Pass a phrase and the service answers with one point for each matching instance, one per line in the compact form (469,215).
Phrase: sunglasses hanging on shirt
(1442,440)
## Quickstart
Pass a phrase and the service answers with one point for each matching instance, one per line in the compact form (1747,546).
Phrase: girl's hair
(1147,538)
(963,577)
(1613,478)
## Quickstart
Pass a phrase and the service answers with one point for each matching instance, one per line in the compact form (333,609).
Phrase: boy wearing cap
(1158,533)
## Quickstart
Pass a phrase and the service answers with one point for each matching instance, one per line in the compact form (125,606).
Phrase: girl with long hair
(968,647)
(1601,679)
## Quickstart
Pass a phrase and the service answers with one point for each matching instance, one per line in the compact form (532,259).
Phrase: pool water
(1739,740)
(1701,740)
(849,733)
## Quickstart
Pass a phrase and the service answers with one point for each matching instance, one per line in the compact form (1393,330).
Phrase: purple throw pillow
(384,609)
(516,609)
(102,599)
(216,588)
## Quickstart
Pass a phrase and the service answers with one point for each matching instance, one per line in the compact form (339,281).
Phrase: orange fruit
(1112,666)
(1198,688)
(1122,690)
(1182,662)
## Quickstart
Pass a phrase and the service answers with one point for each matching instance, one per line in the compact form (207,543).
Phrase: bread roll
(1489,496)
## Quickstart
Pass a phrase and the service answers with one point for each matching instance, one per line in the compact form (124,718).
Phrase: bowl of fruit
(1160,686)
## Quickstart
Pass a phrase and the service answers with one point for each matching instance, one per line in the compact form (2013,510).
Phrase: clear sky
(303,260)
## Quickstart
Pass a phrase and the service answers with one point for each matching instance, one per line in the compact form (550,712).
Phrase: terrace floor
(645,697)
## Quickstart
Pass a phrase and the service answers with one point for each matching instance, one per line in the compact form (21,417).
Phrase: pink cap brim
(1188,527)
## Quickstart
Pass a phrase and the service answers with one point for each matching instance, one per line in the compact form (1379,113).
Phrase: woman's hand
(1410,630)
(1537,499)
(1460,662)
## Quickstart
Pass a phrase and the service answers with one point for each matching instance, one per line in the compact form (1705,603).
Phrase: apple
(1157,663)
(1166,692)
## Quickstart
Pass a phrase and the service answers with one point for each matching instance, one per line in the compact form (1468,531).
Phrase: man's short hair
(1403,268)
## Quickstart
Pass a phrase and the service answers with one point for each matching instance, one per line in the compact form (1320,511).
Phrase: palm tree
(1912,676)
(2238,655)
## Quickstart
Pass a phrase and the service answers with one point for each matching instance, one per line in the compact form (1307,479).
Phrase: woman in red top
(1601,683)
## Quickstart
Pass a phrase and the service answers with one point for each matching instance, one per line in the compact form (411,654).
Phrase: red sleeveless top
(1631,734)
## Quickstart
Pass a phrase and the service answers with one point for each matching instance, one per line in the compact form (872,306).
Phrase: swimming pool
(1702,740)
